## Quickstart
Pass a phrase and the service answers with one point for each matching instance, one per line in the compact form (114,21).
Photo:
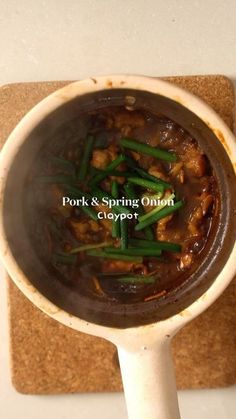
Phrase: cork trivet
(48,357)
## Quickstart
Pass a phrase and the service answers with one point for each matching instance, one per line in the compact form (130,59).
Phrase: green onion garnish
(85,247)
(149,233)
(90,212)
(136,279)
(63,163)
(157,187)
(167,246)
(146,175)
(115,224)
(155,210)
(131,194)
(100,254)
(86,157)
(161,214)
(124,233)
(130,191)
(114,189)
(100,176)
(151,251)
(133,165)
(147,149)
(115,232)
(74,192)
(100,194)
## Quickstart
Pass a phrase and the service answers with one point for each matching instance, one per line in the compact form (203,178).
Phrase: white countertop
(73,39)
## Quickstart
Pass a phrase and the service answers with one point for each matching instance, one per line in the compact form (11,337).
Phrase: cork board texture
(49,358)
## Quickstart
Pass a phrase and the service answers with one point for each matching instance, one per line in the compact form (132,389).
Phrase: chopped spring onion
(157,187)
(145,251)
(149,233)
(100,194)
(147,149)
(149,196)
(115,232)
(136,279)
(100,254)
(168,246)
(161,214)
(63,163)
(132,163)
(100,176)
(90,212)
(114,189)
(86,157)
(74,192)
(124,234)
(115,224)
(131,194)
(155,210)
(146,175)
(89,246)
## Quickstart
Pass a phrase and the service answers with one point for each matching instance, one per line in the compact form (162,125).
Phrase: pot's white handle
(149,382)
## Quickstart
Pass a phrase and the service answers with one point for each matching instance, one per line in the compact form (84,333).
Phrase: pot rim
(51,103)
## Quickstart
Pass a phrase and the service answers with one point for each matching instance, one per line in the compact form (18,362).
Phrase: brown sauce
(57,230)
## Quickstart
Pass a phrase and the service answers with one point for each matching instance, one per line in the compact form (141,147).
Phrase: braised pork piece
(126,253)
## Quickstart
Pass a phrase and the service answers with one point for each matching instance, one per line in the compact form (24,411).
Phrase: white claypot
(144,351)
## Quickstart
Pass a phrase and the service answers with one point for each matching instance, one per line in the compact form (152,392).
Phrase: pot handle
(149,382)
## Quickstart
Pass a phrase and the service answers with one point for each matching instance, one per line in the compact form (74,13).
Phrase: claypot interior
(215,255)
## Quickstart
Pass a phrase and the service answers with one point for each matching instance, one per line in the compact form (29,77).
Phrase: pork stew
(121,205)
